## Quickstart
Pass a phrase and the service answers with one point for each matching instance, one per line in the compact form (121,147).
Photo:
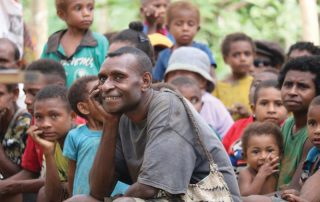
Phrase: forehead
(49,104)
(184,14)
(314,110)
(298,53)
(122,63)
(149,2)
(242,45)
(269,92)
(261,140)
(263,76)
(35,85)
(299,76)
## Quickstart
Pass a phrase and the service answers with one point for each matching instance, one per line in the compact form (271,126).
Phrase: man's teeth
(112,98)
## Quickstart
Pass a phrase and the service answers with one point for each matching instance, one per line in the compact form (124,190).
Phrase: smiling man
(148,139)
(300,83)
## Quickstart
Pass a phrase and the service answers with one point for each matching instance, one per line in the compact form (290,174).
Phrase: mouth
(86,22)
(111,98)
(272,119)
(316,141)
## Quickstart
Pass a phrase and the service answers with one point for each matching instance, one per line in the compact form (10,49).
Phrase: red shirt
(235,133)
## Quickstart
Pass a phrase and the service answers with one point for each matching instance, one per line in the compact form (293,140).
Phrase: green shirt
(293,149)
(87,59)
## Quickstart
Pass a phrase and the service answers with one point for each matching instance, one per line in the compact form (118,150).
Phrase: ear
(73,116)
(199,27)
(203,83)
(15,94)
(83,108)
(146,81)
(61,14)
(253,108)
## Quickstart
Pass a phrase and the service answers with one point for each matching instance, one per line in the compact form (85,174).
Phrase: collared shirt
(86,60)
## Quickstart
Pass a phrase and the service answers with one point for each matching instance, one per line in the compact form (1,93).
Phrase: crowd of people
(140,115)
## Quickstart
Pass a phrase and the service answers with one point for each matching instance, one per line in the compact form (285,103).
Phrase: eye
(194,100)
(287,84)
(37,117)
(311,123)
(102,79)
(270,150)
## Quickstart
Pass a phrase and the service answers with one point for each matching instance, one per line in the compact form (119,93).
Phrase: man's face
(298,90)
(120,84)
(7,56)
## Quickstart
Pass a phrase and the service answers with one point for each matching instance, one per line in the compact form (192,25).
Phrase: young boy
(238,51)
(183,20)
(25,181)
(154,14)
(194,63)
(53,119)
(79,50)
(300,83)
(81,144)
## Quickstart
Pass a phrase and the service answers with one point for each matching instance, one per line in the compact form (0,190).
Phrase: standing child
(183,20)
(238,52)
(53,120)
(79,50)
(82,142)
(262,147)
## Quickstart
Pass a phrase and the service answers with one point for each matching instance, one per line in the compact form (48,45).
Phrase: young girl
(262,147)
(238,52)
(266,106)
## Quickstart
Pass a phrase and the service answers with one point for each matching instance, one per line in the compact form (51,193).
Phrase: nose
(45,123)
(106,86)
(271,108)
(317,130)
(185,27)
(29,99)
(86,12)
(263,155)
(292,90)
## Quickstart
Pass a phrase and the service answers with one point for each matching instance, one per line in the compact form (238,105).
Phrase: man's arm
(103,176)
(139,190)
(72,164)
(7,167)
(308,190)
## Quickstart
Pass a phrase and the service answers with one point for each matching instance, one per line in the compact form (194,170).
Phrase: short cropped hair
(259,129)
(263,85)
(304,45)
(79,92)
(135,36)
(61,4)
(53,91)
(15,49)
(304,64)
(181,6)
(143,61)
(315,101)
(235,37)
(49,68)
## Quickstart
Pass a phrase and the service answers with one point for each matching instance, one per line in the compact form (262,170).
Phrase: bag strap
(193,122)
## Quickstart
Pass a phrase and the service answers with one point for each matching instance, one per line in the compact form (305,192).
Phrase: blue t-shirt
(163,59)
(311,164)
(81,145)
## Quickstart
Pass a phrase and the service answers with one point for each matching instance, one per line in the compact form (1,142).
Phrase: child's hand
(269,167)
(286,194)
(47,146)
(151,14)
(240,110)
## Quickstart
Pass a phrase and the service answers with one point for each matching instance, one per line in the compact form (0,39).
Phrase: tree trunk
(39,24)
(310,23)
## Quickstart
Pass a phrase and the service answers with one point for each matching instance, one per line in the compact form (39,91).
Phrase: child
(133,37)
(302,48)
(183,21)
(262,148)
(299,80)
(154,13)
(79,50)
(267,106)
(81,144)
(238,51)
(194,63)
(14,123)
(190,89)
(53,119)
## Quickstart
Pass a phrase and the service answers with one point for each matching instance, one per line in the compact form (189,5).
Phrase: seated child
(80,51)
(194,63)
(53,119)
(262,148)
(302,48)
(183,21)
(14,122)
(267,106)
(154,14)
(238,52)
(81,143)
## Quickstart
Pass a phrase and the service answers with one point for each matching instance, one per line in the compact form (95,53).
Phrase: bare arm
(139,190)
(308,190)
(71,172)
(102,174)
(7,167)
(297,174)
(250,185)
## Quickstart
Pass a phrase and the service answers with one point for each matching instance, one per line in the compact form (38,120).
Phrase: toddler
(262,148)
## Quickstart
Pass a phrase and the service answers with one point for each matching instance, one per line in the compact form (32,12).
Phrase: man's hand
(47,146)
(6,187)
